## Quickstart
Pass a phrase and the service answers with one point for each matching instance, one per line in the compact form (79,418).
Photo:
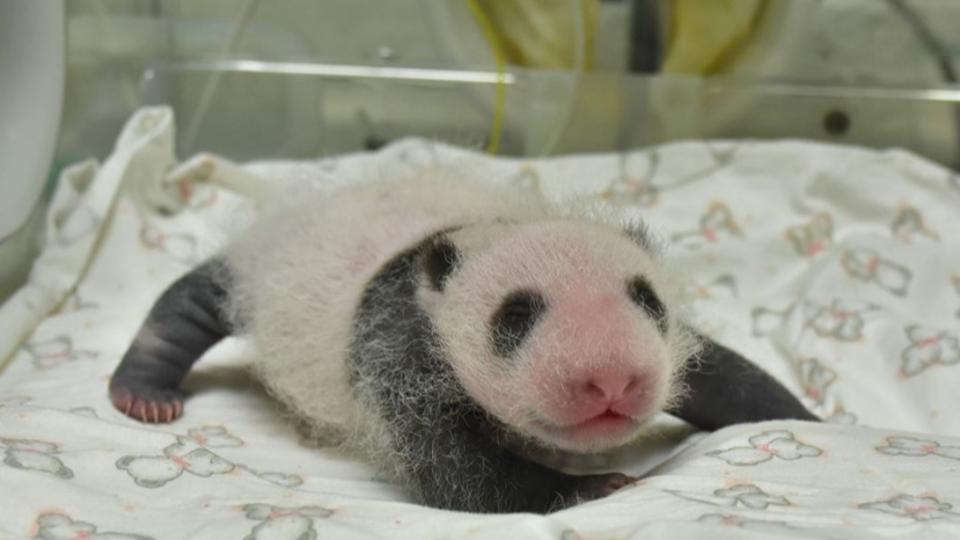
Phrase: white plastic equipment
(31,95)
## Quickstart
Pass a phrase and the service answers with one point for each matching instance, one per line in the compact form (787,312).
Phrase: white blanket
(837,269)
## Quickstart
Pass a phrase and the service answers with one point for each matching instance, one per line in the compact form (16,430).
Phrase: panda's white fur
(299,274)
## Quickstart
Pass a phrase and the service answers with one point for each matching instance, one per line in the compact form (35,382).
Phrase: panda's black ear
(440,259)
(640,233)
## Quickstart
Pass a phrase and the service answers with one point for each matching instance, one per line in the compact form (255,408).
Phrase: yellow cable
(499,101)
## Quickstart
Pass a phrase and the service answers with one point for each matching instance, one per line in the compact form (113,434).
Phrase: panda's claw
(148,405)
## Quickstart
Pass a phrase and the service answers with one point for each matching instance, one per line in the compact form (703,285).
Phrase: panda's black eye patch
(643,295)
(514,320)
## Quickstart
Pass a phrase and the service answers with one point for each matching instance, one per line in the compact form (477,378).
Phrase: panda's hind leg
(185,321)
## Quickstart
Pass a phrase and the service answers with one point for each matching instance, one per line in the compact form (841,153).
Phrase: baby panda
(452,331)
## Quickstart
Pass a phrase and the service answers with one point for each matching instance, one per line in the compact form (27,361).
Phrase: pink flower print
(633,187)
(867,265)
(767,320)
(842,320)
(917,508)
(780,444)
(715,224)
(54,526)
(841,416)
(908,224)
(816,378)
(213,437)
(914,447)
(927,348)
(724,285)
(156,471)
(814,237)
(34,455)
(745,495)
(284,522)
(729,520)
(191,454)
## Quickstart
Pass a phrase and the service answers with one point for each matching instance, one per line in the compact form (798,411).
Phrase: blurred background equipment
(302,78)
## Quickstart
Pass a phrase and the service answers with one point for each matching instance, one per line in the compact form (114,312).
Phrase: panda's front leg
(456,466)
(724,388)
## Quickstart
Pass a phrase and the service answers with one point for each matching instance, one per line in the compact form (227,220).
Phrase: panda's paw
(600,485)
(146,403)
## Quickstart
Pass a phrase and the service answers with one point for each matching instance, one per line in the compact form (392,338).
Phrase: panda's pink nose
(611,386)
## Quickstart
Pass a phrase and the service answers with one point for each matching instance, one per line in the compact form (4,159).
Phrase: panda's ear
(440,259)
(640,233)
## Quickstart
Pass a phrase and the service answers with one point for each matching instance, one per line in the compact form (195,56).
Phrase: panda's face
(559,329)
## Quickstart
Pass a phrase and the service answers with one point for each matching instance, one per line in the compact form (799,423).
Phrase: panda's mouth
(608,424)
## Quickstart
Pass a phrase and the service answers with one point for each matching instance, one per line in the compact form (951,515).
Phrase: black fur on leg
(725,388)
(185,321)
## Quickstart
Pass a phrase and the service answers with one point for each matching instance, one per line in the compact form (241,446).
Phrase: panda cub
(448,330)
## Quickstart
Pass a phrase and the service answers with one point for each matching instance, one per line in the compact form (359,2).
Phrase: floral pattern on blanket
(34,455)
(54,526)
(834,267)
(766,446)
(191,454)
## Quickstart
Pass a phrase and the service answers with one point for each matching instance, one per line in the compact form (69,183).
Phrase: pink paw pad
(152,406)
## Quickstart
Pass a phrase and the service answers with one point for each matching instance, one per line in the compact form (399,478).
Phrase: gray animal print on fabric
(928,347)
(909,224)
(867,265)
(213,437)
(842,320)
(729,520)
(715,224)
(722,286)
(53,352)
(184,455)
(634,184)
(281,523)
(191,453)
(746,495)
(816,378)
(34,455)
(765,446)
(842,416)
(768,320)
(52,526)
(814,237)
(917,508)
(914,447)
